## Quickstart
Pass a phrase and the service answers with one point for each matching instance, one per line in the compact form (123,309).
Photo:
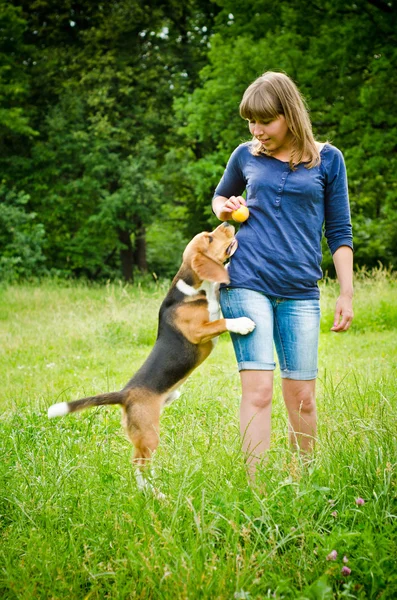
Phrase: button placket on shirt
(280,190)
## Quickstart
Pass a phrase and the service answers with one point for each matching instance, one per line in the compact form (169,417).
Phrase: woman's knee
(304,403)
(257,388)
(261,399)
(300,396)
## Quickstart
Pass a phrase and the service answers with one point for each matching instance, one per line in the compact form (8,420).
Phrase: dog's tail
(63,408)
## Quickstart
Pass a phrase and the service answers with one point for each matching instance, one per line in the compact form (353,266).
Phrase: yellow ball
(241,214)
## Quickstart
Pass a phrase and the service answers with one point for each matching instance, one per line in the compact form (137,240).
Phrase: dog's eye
(210,239)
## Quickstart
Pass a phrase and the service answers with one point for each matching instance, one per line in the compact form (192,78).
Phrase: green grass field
(73,523)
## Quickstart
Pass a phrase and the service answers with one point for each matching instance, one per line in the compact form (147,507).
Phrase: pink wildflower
(332,555)
(334,514)
(346,571)
(345,559)
(360,501)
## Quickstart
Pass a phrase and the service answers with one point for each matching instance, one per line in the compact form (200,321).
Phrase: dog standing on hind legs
(187,328)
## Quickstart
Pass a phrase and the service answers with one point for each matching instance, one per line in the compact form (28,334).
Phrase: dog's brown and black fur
(187,327)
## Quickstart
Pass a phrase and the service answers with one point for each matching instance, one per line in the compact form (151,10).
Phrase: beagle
(189,322)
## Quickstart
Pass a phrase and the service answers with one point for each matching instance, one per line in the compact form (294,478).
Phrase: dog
(188,325)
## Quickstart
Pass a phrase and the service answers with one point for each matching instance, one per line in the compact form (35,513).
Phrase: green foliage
(72,520)
(112,111)
(14,82)
(165,248)
(21,238)
(100,175)
(102,88)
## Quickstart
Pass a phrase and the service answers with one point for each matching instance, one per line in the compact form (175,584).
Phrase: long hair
(274,94)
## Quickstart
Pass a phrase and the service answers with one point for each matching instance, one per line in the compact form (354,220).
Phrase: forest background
(117,120)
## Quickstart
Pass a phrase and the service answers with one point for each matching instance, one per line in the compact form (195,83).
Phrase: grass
(72,521)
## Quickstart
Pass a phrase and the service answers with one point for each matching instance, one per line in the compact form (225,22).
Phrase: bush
(21,238)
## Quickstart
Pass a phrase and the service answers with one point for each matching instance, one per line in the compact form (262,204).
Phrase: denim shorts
(293,325)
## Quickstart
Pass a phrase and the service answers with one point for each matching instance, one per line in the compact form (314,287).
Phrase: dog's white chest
(212,292)
(212,295)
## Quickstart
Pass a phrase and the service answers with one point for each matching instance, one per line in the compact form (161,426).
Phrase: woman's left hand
(343,316)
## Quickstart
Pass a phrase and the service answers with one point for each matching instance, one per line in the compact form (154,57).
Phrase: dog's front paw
(242,325)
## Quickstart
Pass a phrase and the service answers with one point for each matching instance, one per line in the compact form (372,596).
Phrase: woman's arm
(343,261)
(227,194)
(223,207)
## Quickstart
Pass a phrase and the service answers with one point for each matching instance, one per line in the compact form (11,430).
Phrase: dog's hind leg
(141,422)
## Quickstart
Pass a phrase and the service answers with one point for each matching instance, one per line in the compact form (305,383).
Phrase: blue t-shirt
(279,246)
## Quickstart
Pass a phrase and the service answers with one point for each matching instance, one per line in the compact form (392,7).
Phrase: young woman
(294,185)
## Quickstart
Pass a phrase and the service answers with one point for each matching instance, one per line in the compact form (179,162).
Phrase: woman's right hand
(223,207)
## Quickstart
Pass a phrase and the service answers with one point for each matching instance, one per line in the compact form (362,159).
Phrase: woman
(294,184)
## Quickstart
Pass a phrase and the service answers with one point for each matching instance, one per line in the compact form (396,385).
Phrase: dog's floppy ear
(208,269)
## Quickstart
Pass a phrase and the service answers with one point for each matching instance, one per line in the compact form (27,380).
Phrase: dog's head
(207,252)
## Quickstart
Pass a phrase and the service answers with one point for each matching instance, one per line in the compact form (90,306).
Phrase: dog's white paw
(146,486)
(158,495)
(241,325)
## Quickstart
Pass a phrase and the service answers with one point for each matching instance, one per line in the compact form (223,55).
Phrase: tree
(104,80)
(21,238)
(14,81)
(117,115)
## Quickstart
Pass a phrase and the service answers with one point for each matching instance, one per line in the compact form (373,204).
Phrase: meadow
(73,524)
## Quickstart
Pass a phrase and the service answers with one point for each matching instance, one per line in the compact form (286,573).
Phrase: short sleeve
(233,181)
(338,228)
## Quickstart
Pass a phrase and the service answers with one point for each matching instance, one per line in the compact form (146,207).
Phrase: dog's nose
(229,228)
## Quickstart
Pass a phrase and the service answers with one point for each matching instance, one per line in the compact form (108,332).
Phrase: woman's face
(273,135)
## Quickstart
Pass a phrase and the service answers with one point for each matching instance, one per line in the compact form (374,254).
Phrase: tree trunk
(126,255)
(140,248)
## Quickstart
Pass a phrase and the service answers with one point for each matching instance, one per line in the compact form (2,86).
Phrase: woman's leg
(255,358)
(297,324)
(255,415)
(300,400)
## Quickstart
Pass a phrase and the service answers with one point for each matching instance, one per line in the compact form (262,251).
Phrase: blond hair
(274,94)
